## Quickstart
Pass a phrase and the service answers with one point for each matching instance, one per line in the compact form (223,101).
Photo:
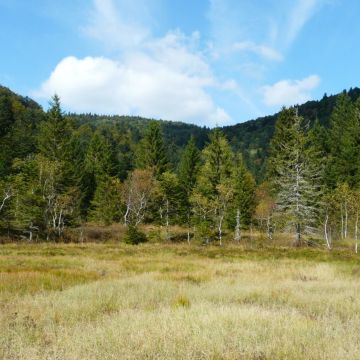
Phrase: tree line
(57,174)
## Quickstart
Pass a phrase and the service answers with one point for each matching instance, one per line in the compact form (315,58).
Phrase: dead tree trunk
(326,233)
(237,235)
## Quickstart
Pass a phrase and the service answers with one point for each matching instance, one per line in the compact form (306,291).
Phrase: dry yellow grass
(177,302)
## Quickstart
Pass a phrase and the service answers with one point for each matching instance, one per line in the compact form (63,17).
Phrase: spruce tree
(343,143)
(97,166)
(151,151)
(188,172)
(189,166)
(295,176)
(171,200)
(54,133)
(244,202)
(214,190)
(106,206)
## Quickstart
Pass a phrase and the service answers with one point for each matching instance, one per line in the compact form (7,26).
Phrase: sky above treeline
(208,62)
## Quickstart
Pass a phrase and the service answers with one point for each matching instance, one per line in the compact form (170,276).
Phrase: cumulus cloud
(165,77)
(290,92)
(166,81)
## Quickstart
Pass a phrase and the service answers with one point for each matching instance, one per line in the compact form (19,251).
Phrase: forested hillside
(252,137)
(297,171)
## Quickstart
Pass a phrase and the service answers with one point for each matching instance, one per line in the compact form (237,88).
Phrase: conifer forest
(296,173)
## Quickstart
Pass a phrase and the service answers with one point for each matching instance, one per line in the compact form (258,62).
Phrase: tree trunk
(126,215)
(237,235)
(346,221)
(356,232)
(269,228)
(342,222)
(220,230)
(297,241)
(188,227)
(326,234)
(167,221)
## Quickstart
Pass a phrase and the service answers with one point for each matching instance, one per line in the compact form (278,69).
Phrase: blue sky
(206,61)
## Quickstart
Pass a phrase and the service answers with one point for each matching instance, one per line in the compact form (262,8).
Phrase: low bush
(134,236)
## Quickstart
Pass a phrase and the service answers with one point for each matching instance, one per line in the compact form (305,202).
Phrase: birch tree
(136,194)
(265,209)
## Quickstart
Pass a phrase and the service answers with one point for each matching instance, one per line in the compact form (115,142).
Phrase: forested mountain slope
(252,138)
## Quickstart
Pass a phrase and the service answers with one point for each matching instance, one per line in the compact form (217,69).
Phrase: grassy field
(110,301)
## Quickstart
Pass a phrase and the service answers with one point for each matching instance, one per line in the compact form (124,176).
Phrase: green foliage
(189,166)
(54,133)
(134,236)
(295,177)
(213,190)
(218,163)
(244,194)
(151,151)
(106,206)
(60,167)
(344,143)
(6,115)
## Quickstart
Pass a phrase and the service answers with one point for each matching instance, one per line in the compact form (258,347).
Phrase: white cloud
(166,82)
(166,77)
(108,25)
(290,92)
(264,51)
(298,16)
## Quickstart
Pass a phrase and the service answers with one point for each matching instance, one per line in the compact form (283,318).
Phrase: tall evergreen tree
(213,190)
(54,132)
(106,206)
(97,167)
(171,200)
(151,151)
(343,143)
(295,176)
(188,172)
(189,166)
(244,202)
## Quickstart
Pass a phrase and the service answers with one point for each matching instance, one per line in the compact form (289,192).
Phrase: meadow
(177,301)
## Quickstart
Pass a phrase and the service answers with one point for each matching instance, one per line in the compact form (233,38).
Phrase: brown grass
(156,301)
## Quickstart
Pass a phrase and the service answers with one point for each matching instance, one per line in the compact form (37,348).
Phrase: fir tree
(188,172)
(97,166)
(244,202)
(171,200)
(213,190)
(54,133)
(189,166)
(151,151)
(106,206)
(343,143)
(296,178)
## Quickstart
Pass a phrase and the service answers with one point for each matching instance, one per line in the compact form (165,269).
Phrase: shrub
(134,236)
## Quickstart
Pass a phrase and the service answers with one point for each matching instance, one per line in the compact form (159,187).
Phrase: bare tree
(7,194)
(224,196)
(265,209)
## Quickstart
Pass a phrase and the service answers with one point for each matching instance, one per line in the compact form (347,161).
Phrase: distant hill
(252,137)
